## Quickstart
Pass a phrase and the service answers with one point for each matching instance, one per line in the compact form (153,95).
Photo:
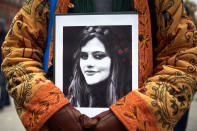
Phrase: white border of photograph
(94,20)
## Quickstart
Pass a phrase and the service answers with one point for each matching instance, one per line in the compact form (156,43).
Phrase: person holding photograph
(102,66)
(164,94)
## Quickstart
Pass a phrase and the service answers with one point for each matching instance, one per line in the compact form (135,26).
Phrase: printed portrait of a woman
(97,65)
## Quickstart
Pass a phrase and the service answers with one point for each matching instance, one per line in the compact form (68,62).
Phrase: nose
(89,66)
(90,62)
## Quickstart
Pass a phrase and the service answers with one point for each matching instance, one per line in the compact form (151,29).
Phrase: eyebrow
(95,52)
(99,52)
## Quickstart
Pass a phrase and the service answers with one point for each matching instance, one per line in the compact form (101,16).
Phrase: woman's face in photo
(95,62)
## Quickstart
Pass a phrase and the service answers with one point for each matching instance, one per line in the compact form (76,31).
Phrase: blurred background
(9,120)
(8,9)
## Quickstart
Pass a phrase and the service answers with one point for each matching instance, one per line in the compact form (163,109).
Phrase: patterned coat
(163,95)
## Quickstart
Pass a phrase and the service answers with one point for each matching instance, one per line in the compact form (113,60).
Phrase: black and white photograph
(96,63)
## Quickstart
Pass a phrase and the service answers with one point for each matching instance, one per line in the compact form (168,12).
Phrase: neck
(98,93)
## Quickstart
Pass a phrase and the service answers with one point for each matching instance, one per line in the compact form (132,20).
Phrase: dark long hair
(117,42)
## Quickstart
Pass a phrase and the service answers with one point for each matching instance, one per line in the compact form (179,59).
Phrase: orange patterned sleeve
(35,97)
(165,96)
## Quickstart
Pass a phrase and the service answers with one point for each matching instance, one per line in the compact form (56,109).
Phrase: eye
(99,55)
(84,55)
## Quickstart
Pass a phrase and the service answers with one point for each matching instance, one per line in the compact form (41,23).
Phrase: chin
(92,83)
(95,82)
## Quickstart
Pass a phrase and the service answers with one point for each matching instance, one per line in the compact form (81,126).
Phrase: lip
(90,72)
